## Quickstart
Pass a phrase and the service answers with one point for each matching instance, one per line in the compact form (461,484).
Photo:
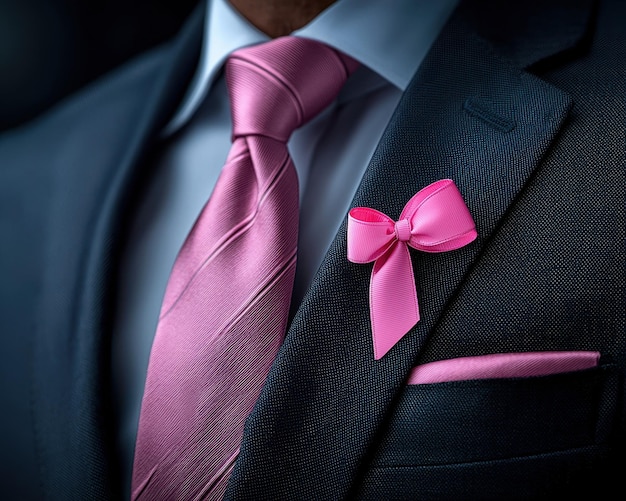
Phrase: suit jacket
(522,105)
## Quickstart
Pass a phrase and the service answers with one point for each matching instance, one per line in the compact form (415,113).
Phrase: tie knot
(278,86)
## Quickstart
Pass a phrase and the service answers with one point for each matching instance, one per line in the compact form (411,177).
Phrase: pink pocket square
(503,365)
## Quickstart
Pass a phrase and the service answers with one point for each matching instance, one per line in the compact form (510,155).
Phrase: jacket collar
(71,345)
(470,114)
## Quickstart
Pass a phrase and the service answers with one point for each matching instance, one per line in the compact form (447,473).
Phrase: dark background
(50,48)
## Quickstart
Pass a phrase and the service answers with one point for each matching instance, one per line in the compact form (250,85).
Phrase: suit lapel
(469,115)
(97,174)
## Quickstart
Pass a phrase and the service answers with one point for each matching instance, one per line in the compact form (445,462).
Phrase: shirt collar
(391,38)
(225,31)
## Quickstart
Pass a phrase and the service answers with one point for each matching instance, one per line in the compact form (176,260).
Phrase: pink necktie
(225,309)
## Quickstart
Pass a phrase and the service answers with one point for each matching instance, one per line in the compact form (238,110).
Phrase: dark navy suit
(522,105)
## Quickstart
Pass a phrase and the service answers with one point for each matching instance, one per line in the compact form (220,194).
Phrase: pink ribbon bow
(436,219)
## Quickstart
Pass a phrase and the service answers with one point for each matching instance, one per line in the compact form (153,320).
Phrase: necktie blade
(226,305)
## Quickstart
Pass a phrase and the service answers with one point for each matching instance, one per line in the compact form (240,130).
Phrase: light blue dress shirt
(388,37)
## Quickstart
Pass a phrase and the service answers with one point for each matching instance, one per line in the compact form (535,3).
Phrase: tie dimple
(225,308)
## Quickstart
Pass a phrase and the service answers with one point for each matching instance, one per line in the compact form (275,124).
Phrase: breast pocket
(505,438)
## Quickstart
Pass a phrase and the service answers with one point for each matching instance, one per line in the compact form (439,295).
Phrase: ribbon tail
(393,299)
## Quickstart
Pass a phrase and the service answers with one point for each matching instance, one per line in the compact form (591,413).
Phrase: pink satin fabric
(226,305)
(436,219)
(504,365)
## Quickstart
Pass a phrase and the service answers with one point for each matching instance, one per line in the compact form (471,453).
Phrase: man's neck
(277,18)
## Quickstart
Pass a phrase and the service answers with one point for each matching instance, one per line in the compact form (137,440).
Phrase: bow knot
(402,229)
(436,219)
